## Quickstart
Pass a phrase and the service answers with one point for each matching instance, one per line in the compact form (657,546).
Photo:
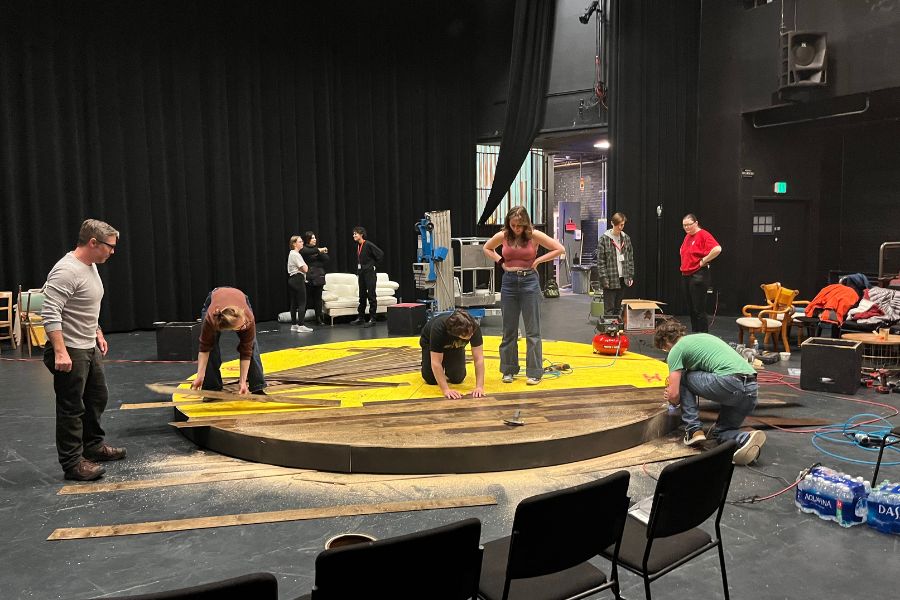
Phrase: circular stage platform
(389,420)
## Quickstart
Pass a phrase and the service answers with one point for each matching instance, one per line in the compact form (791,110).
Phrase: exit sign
(780,187)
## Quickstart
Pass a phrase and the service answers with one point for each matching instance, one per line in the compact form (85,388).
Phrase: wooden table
(878,353)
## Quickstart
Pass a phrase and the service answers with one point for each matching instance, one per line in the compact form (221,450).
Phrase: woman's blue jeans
(521,296)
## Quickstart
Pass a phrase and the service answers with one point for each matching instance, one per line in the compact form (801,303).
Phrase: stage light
(602,145)
(588,12)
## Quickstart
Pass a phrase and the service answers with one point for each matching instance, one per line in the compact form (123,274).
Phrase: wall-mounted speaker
(803,59)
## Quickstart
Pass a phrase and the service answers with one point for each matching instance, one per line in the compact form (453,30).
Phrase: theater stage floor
(771,549)
(599,405)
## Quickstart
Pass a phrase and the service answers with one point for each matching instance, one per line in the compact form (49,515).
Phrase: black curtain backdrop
(208,133)
(529,72)
(653,132)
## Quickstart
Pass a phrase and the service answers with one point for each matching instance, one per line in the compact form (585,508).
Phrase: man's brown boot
(104,452)
(85,470)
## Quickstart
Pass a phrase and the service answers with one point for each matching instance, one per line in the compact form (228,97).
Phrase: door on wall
(780,232)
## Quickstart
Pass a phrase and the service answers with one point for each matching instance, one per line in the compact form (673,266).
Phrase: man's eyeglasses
(111,246)
(688,224)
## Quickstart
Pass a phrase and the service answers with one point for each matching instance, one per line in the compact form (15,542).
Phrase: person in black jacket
(316,258)
(367,256)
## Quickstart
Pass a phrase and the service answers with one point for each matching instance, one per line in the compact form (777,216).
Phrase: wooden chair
(772,320)
(439,564)
(30,304)
(687,494)
(6,318)
(554,535)
(259,586)
(806,326)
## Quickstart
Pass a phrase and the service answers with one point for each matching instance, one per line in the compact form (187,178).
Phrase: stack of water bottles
(833,496)
(884,508)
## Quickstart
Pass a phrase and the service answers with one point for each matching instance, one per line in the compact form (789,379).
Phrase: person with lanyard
(367,256)
(443,341)
(520,291)
(228,309)
(698,249)
(702,365)
(297,268)
(615,261)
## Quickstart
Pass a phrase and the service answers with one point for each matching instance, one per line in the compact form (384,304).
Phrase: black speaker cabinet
(828,365)
(177,341)
(407,318)
(803,59)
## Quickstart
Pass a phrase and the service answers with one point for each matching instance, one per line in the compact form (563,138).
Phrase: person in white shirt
(297,268)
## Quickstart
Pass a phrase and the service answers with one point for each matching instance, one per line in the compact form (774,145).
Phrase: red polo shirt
(693,248)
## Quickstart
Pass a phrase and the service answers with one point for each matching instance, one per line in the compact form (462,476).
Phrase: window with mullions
(529,189)
(763,225)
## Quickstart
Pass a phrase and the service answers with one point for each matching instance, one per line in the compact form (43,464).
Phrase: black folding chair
(553,537)
(440,564)
(687,494)
(259,586)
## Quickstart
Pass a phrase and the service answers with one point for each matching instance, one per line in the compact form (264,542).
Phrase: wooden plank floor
(446,423)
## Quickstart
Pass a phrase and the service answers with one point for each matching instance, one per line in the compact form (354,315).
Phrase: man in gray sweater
(74,353)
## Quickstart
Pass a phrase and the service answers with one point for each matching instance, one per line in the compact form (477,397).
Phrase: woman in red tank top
(520,291)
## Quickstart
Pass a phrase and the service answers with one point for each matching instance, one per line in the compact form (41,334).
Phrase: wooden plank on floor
(278,516)
(280,398)
(194,479)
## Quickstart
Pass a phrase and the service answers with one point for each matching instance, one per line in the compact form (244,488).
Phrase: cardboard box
(640,313)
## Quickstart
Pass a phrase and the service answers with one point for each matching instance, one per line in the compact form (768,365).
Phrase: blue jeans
(736,395)
(212,379)
(521,296)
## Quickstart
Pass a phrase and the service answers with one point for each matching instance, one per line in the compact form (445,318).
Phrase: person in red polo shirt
(698,249)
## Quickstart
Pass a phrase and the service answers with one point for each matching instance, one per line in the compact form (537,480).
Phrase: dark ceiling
(578,144)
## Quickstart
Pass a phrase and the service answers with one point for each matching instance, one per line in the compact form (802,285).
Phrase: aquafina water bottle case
(833,496)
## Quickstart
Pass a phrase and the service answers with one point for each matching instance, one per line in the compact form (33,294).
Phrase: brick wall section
(567,189)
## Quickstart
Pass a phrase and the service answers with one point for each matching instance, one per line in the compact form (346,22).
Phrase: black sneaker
(357,321)
(369,323)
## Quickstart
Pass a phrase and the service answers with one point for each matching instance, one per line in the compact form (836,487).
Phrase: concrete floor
(772,550)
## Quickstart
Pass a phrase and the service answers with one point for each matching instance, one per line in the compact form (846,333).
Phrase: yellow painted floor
(588,370)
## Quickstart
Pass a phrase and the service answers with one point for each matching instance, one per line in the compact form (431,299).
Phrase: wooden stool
(6,318)
(878,352)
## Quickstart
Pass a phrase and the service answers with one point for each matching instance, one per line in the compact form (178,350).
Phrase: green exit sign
(781,187)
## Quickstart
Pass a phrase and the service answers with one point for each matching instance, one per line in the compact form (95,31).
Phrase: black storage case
(828,365)
(177,341)
(405,319)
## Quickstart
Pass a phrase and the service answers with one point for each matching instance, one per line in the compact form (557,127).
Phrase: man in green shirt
(702,365)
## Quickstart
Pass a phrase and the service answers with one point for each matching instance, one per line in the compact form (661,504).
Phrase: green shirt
(705,352)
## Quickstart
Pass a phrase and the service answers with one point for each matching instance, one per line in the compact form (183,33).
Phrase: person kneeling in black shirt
(443,342)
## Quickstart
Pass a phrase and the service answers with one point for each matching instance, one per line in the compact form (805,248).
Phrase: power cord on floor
(755,499)
(867,434)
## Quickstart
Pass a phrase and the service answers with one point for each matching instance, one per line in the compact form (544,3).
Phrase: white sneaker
(295,328)
(304,329)
(749,450)
(508,378)
(532,381)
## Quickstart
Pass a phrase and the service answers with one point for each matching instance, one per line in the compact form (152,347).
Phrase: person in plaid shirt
(615,262)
